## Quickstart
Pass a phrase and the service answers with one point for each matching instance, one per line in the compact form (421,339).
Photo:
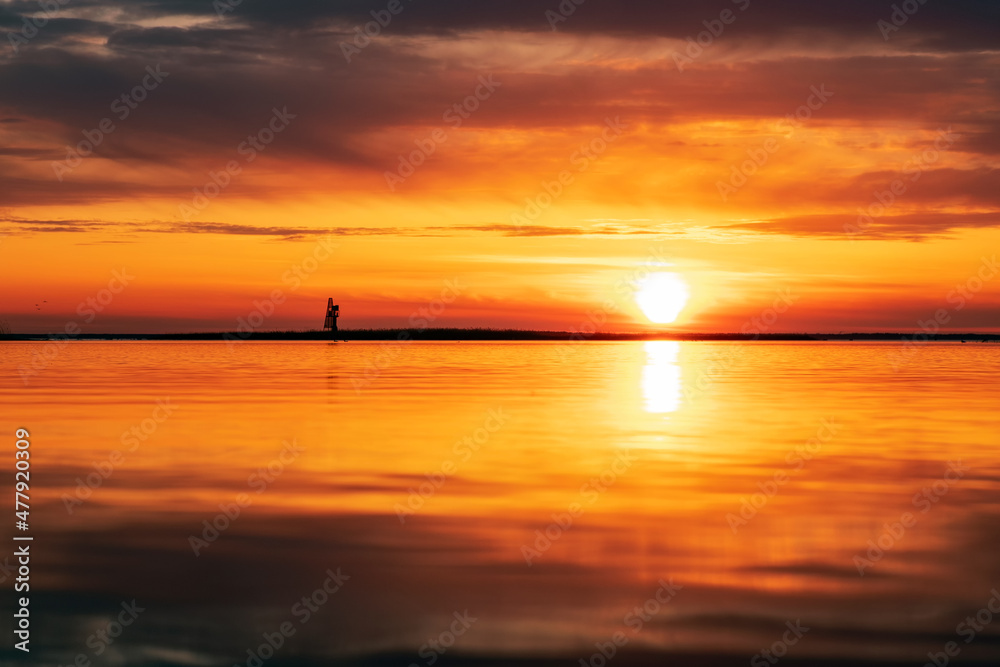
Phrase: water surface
(429,474)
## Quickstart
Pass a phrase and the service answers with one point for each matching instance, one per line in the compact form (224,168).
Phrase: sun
(662,297)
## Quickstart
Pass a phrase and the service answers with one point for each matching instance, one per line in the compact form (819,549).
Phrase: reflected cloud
(661,377)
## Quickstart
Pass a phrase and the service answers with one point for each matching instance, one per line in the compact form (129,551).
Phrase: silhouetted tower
(332,313)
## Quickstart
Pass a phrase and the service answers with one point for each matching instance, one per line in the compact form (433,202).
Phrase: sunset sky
(521,163)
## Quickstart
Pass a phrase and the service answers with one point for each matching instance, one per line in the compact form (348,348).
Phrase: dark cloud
(288,233)
(957,25)
(20,190)
(34,153)
(935,202)
(982,138)
(227,74)
(20,226)
(195,120)
(976,187)
(914,226)
(291,233)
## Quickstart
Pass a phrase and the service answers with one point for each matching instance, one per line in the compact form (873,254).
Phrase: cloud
(21,226)
(353,121)
(295,233)
(287,233)
(956,25)
(912,227)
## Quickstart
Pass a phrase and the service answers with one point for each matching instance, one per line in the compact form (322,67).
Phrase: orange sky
(656,165)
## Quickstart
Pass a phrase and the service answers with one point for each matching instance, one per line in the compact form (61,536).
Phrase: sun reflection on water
(661,377)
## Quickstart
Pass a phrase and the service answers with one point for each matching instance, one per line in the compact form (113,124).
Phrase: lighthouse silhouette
(332,313)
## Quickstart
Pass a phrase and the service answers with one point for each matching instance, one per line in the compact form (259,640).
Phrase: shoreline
(460,335)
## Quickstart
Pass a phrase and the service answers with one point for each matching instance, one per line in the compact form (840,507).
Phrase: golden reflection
(661,377)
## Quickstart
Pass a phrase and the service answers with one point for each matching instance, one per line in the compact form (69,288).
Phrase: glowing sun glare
(661,297)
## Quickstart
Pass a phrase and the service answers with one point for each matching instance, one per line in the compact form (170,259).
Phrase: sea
(571,503)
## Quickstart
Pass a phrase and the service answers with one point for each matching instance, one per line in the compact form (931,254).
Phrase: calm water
(430,473)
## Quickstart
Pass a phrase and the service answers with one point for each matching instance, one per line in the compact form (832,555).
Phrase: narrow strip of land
(443,334)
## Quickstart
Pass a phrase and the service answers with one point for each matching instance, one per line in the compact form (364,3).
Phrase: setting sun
(661,297)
